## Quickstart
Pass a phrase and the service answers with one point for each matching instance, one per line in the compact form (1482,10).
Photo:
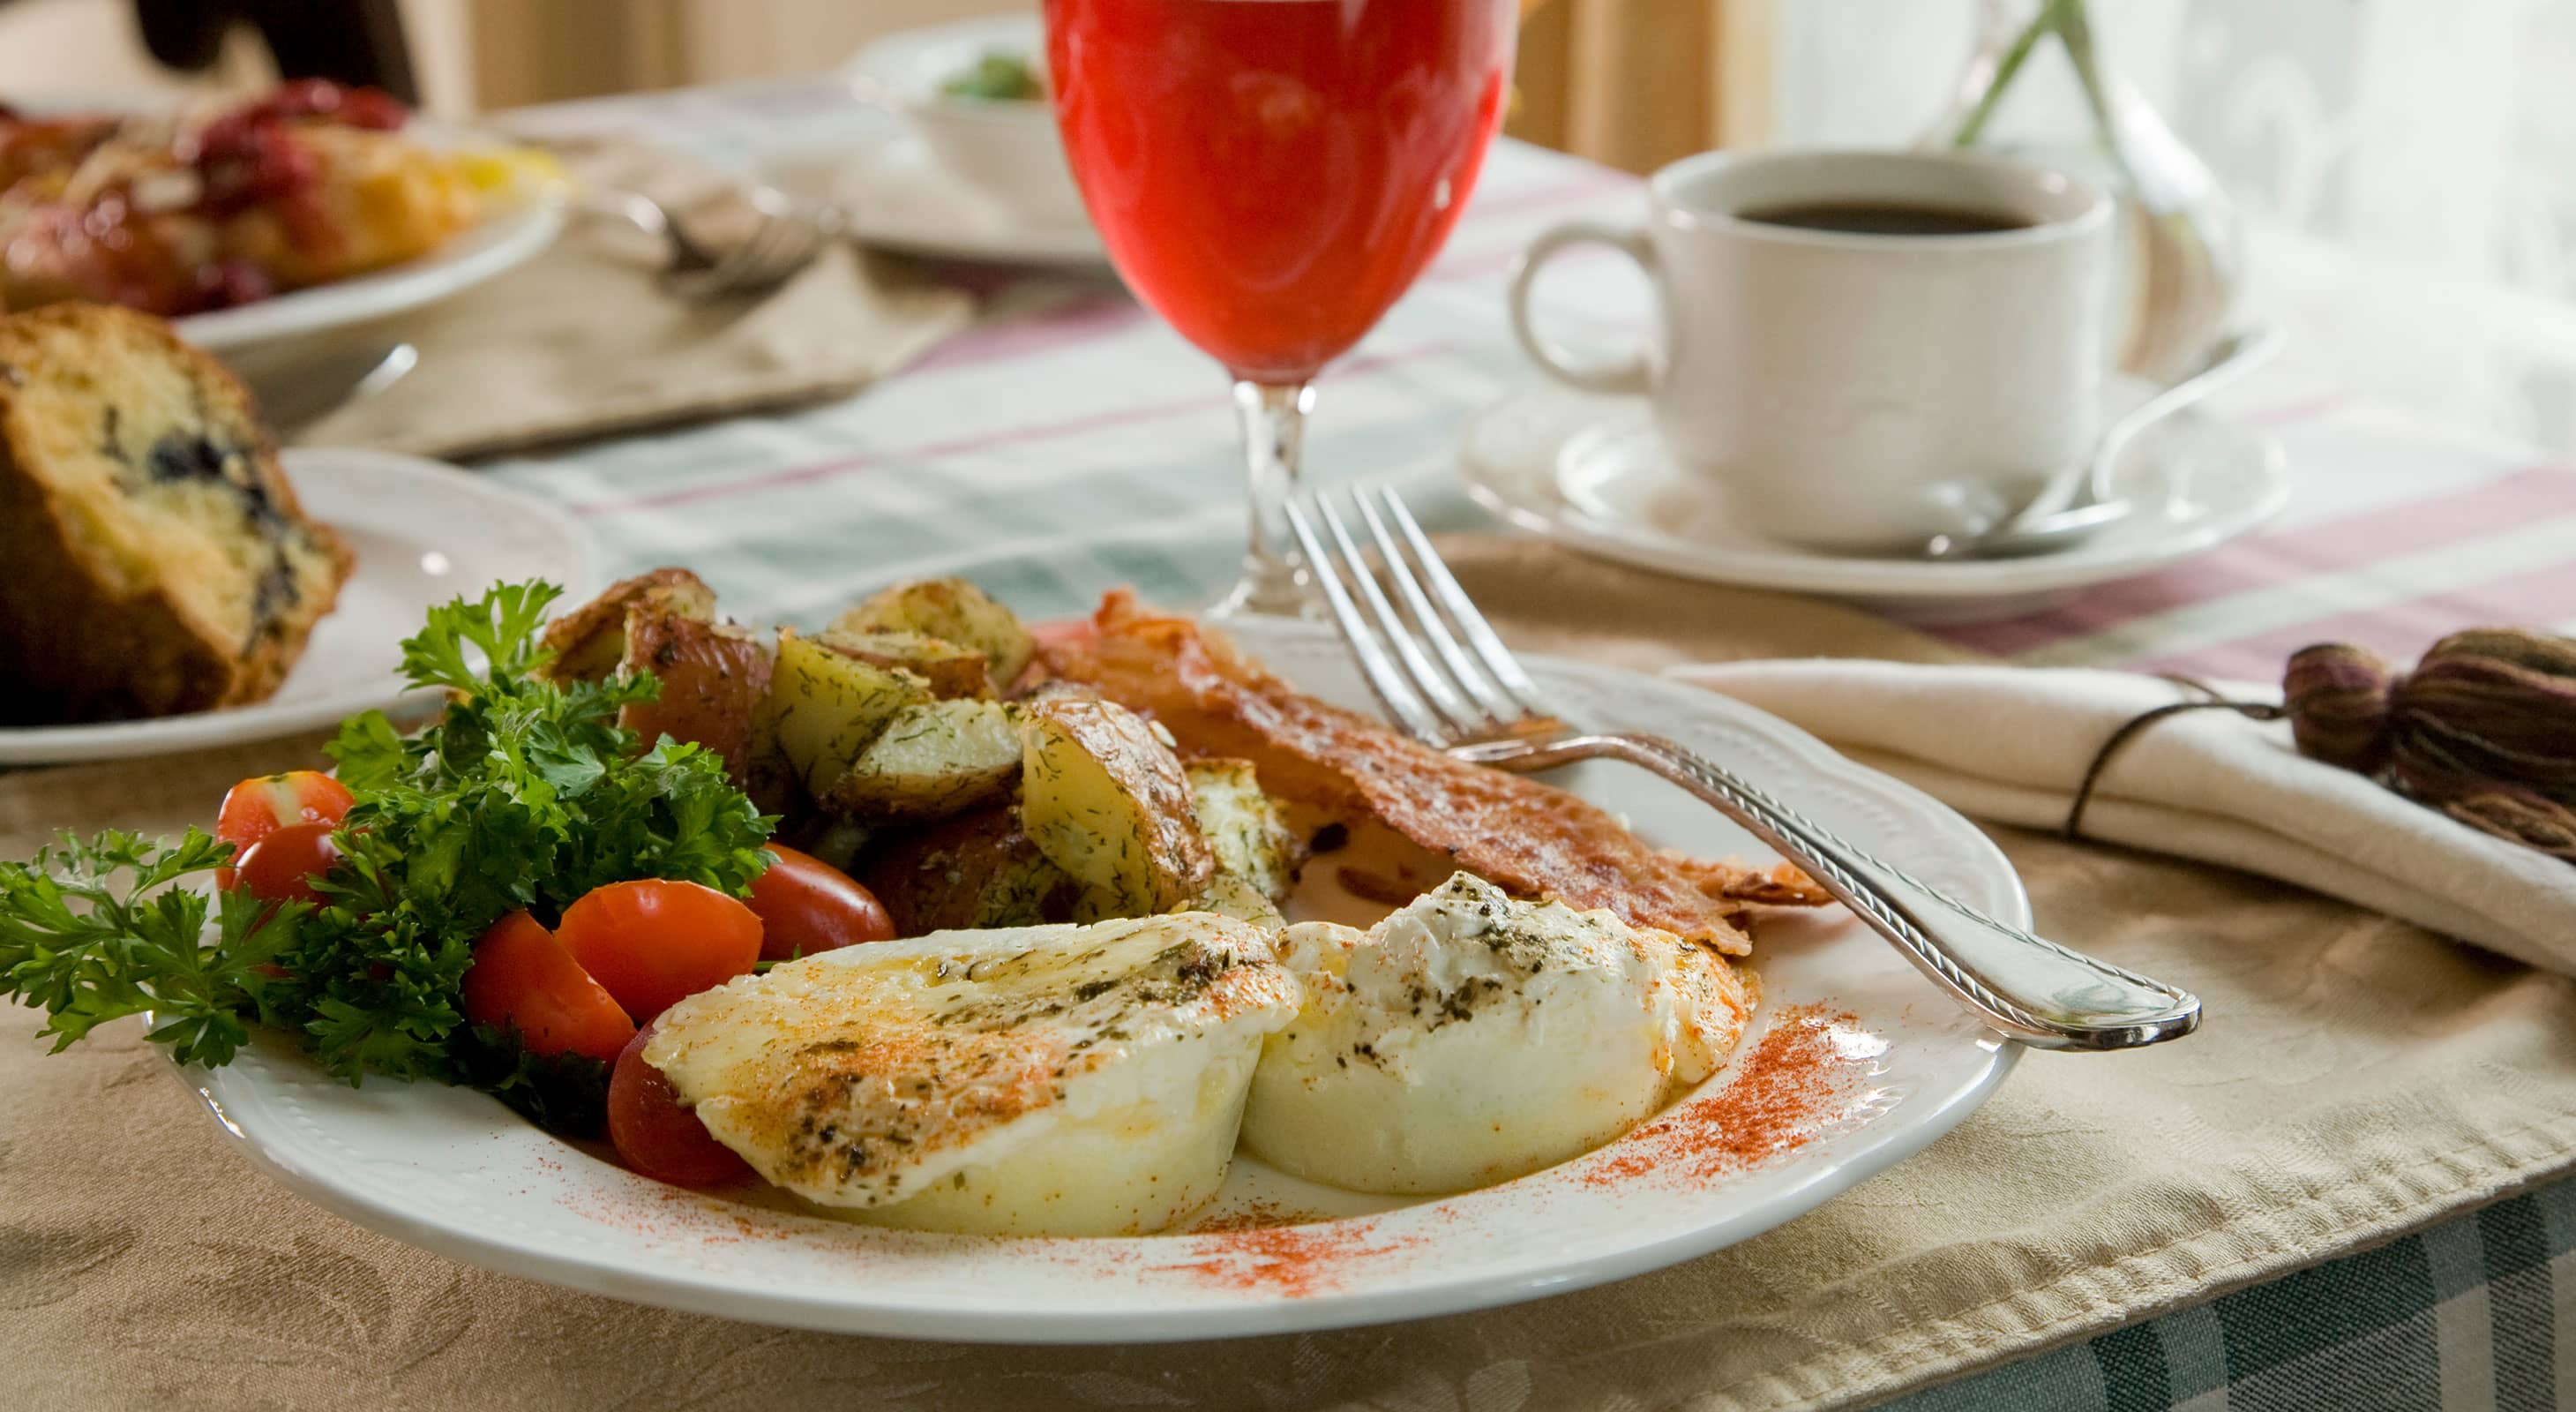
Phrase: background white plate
(454,1172)
(509,238)
(424,532)
(502,243)
(1554,461)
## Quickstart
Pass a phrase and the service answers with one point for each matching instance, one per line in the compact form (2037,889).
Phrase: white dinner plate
(423,532)
(1591,472)
(1897,1066)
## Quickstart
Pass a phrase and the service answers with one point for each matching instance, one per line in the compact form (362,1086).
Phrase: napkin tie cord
(2208,700)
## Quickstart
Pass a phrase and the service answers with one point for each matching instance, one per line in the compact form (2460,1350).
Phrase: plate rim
(307,466)
(499,245)
(937,1320)
(1852,577)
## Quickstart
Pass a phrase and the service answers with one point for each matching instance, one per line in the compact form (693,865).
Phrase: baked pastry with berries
(203,208)
(153,557)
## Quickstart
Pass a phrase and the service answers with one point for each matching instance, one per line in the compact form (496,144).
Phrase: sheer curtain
(1637,83)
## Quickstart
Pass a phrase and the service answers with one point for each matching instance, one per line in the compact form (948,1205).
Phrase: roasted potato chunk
(770,778)
(932,761)
(713,678)
(951,610)
(589,642)
(1106,800)
(979,869)
(827,709)
(951,670)
(1231,896)
(1246,829)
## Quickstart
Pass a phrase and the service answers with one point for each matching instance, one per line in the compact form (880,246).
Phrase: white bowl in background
(1007,149)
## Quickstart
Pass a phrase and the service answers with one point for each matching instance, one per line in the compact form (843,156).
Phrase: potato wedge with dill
(951,670)
(1105,799)
(1245,828)
(932,761)
(952,610)
(825,708)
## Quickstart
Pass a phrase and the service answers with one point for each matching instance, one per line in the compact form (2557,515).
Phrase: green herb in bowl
(998,77)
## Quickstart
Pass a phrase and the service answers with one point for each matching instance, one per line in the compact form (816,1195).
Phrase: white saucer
(424,532)
(1590,472)
(896,197)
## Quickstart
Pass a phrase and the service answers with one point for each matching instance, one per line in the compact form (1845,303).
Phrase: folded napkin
(582,340)
(2012,744)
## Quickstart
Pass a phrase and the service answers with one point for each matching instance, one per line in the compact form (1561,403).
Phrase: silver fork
(1446,678)
(779,246)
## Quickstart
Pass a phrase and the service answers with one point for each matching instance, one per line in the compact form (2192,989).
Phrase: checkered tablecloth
(1070,442)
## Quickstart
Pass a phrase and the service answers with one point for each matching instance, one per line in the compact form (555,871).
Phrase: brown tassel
(2483,729)
(2337,697)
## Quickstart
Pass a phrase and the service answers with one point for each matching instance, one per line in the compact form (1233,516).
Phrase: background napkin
(582,340)
(2012,744)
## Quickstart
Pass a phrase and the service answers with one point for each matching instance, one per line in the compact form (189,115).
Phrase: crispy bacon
(1524,836)
(1781,885)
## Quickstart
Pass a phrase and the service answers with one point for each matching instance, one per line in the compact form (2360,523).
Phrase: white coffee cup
(1860,391)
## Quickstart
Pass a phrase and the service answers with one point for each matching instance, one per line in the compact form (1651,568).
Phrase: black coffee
(1886,218)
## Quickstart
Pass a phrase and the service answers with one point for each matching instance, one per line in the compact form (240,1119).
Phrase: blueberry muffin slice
(153,557)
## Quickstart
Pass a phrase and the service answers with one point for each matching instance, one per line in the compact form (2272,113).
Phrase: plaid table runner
(1070,442)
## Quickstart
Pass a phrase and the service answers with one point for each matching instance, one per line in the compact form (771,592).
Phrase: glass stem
(1274,429)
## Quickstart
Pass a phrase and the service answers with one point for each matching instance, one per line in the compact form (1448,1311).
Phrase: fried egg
(1054,1080)
(1470,1038)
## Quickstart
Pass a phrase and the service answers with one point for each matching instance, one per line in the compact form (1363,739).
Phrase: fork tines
(1436,664)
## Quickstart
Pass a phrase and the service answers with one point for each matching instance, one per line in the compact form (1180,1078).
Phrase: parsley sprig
(85,935)
(524,793)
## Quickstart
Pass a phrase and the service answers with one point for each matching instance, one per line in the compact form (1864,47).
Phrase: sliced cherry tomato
(653,942)
(653,1133)
(281,867)
(260,806)
(806,905)
(523,978)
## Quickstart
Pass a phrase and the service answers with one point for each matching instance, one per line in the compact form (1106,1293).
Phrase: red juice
(1269,175)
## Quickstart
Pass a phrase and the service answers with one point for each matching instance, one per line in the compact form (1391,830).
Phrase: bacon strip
(1526,837)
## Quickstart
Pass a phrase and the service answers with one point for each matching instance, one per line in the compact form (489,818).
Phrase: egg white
(1470,1038)
(1057,1080)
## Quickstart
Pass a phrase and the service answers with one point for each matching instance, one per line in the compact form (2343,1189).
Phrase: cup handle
(1633,373)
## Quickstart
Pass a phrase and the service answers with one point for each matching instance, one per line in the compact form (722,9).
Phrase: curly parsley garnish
(525,793)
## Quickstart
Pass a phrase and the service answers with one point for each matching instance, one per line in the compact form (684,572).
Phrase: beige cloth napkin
(2357,1077)
(582,341)
(2012,744)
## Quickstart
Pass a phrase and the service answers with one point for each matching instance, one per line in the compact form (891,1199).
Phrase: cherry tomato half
(281,866)
(655,1135)
(653,942)
(806,905)
(523,978)
(260,806)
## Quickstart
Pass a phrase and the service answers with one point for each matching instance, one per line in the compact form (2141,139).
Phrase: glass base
(1270,589)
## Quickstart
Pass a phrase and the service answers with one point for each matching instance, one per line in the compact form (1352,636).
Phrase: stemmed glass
(1269,175)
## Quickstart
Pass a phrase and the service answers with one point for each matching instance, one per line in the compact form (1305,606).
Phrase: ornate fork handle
(2027,986)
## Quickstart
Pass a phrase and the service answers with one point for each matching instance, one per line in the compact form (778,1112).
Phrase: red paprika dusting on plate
(1800,1075)
(1291,1261)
